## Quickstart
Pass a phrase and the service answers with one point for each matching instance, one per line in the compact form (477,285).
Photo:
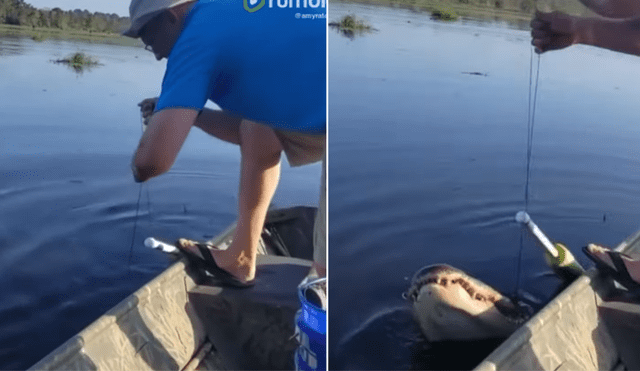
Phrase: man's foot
(217,259)
(621,267)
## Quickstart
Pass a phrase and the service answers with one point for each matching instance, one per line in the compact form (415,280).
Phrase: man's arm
(617,9)
(161,142)
(220,125)
(621,36)
(551,31)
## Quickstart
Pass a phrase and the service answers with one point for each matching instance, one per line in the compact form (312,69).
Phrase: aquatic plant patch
(79,61)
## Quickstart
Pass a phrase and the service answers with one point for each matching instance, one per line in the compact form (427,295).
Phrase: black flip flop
(209,265)
(620,273)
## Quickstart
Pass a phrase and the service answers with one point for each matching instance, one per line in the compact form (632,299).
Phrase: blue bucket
(311,330)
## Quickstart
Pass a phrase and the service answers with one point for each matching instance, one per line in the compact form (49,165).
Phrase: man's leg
(259,176)
(316,293)
(302,149)
(319,267)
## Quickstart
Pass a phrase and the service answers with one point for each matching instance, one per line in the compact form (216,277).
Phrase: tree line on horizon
(20,13)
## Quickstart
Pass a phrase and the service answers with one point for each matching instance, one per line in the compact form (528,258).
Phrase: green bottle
(565,264)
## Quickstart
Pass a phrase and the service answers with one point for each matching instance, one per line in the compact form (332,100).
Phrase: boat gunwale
(535,324)
(524,334)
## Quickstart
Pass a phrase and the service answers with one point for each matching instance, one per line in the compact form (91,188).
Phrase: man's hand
(147,107)
(159,146)
(552,31)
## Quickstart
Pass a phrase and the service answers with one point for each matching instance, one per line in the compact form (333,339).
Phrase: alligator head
(451,305)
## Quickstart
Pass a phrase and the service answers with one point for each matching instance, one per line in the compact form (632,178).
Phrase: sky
(120,7)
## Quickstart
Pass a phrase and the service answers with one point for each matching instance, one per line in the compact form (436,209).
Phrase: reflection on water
(10,45)
(68,199)
(349,33)
(427,165)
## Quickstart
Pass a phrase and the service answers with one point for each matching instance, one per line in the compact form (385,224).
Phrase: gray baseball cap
(142,11)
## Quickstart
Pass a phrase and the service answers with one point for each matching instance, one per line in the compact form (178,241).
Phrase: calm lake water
(427,165)
(68,199)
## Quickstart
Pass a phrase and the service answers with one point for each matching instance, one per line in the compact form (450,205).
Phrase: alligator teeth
(470,291)
(439,276)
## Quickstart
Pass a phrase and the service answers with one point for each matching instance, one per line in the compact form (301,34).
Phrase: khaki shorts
(302,149)
(320,225)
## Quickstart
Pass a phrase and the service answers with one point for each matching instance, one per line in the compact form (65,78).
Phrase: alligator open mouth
(451,305)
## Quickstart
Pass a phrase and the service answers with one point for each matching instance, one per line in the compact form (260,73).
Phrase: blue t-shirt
(266,63)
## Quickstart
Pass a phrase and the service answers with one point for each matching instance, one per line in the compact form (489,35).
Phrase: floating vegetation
(349,26)
(350,22)
(444,14)
(38,37)
(79,62)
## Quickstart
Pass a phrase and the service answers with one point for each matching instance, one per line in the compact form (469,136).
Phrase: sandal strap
(619,264)
(206,253)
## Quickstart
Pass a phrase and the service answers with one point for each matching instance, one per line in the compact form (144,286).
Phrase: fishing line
(135,223)
(148,201)
(533,97)
(530,125)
